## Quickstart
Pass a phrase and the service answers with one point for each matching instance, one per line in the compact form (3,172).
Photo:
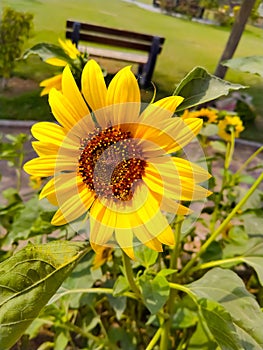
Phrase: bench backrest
(82,31)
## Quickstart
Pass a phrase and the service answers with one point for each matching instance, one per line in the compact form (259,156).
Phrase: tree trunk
(4,82)
(235,36)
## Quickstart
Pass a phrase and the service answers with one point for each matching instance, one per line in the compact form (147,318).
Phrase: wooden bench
(145,48)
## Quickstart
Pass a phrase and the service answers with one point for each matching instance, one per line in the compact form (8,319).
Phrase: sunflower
(110,161)
(103,254)
(228,125)
(73,53)
(206,114)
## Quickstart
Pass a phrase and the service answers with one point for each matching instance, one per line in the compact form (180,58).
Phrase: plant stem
(221,227)
(154,339)
(244,165)
(175,253)
(166,327)
(129,275)
(236,259)
(95,291)
(195,300)
(229,154)
(230,150)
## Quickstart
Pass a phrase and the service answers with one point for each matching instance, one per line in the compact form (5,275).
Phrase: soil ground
(16,86)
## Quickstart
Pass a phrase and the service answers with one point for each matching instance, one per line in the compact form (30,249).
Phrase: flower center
(205,118)
(111,163)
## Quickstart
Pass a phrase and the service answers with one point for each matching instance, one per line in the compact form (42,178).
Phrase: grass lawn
(188,44)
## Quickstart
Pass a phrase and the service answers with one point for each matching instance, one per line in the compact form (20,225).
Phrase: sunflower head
(206,114)
(229,125)
(111,161)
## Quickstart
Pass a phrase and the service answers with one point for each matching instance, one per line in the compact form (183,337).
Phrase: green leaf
(82,277)
(200,87)
(184,317)
(120,286)
(31,221)
(146,256)
(120,338)
(248,251)
(28,280)
(155,292)
(220,324)
(61,341)
(257,263)
(46,51)
(250,64)
(200,340)
(254,201)
(218,146)
(118,304)
(253,223)
(226,288)
(209,130)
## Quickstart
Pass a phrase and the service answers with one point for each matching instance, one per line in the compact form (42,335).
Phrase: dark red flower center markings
(111,163)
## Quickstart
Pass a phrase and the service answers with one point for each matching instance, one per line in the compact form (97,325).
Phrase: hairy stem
(129,275)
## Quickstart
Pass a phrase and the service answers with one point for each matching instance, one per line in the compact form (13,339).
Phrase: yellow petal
(147,239)
(169,103)
(188,169)
(69,48)
(174,167)
(49,192)
(171,206)
(124,238)
(71,91)
(44,148)
(167,236)
(101,224)
(48,84)
(103,214)
(73,208)
(93,85)
(150,214)
(123,88)
(123,92)
(54,61)
(169,135)
(48,132)
(48,188)
(69,116)
(173,187)
(44,166)
(152,112)
(47,165)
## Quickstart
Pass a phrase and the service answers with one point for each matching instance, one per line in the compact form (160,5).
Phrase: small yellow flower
(228,125)
(103,254)
(115,167)
(48,84)
(207,115)
(71,50)
(35,182)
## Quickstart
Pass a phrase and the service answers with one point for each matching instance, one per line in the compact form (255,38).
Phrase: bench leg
(75,33)
(147,71)
(140,70)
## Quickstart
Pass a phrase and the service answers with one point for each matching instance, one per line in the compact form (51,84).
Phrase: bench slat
(114,55)
(111,41)
(113,31)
